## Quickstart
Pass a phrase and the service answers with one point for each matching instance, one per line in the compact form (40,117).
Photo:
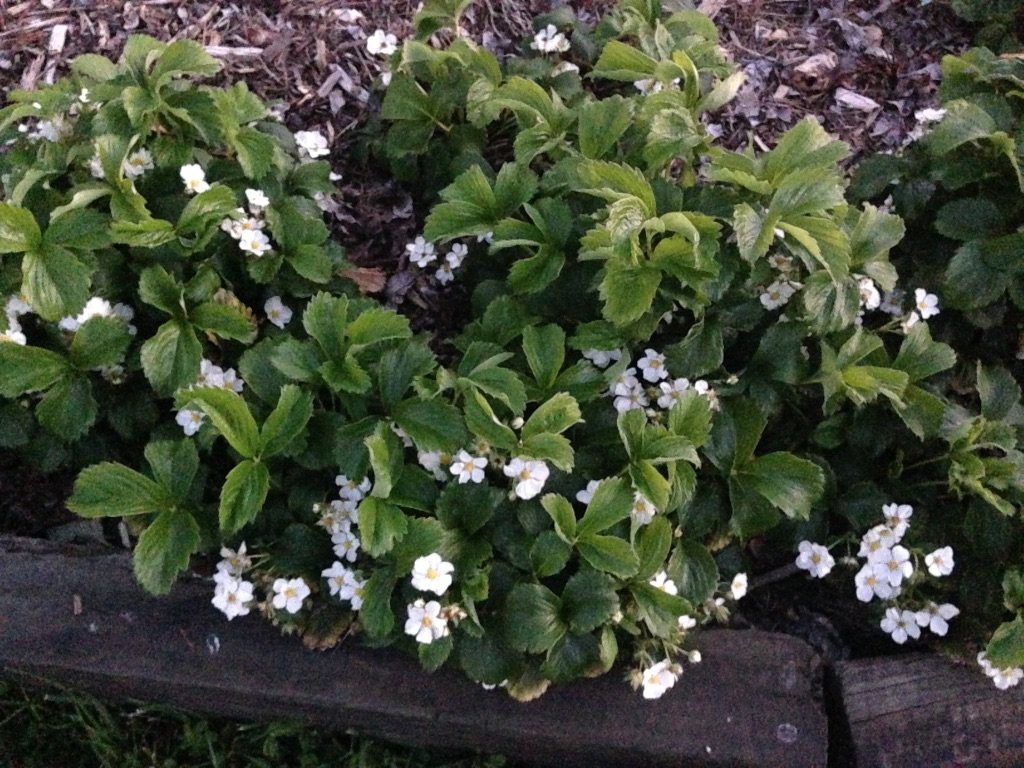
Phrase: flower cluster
(1001,678)
(423,253)
(550,40)
(98,307)
(428,621)
(15,307)
(247,228)
(210,375)
(630,393)
(232,594)
(784,287)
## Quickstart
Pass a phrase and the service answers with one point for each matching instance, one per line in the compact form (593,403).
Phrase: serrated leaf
(229,414)
(998,390)
(242,497)
(432,425)
(555,415)
(652,545)
(287,421)
(548,554)
(659,610)
(18,230)
(98,342)
(609,554)
(920,357)
(326,320)
(386,459)
(114,490)
(789,483)
(532,618)
(964,121)
(619,61)
(174,464)
(55,282)
(588,601)
(28,369)
(381,525)
(482,422)
(376,615)
(562,515)
(161,290)
(164,549)
(1006,648)
(602,123)
(255,152)
(78,229)
(544,347)
(205,208)
(611,503)
(628,292)
(68,409)
(548,447)
(183,57)
(225,321)
(373,326)
(694,571)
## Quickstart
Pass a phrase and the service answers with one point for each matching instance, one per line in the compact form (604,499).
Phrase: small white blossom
(189,421)
(927,304)
(587,494)
(935,617)
(910,321)
(194,178)
(940,562)
(897,517)
(900,625)
(468,468)
(738,588)
(83,96)
(94,307)
(664,583)
(892,303)
(382,43)
(876,543)
(870,298)
(629,393)
(352,489)
(562,68)
(672,392)
(232,597)
(529,476)
(13,334)
(652,366)
(550,40)
(658,679)
(1003,678)
(421,253)
(231,380)
(781,262)
(643,511)
(96,167)
(602,358)
(277,313)
(687,622)
(650,86)
(340,515)
(234,562)
(871,582)
(346,544)
(432,574)
(289,594)
(137,163)
(777,294)
(257,200)
(898,567)
(352,589)
(312,144)
(444,274)
(425,622)
(435,462)
(254,241)
(815,559)
(456,255)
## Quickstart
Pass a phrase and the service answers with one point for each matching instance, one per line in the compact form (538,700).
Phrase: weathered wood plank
(925,711)
(754,701)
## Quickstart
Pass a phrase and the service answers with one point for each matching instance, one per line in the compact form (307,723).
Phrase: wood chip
(58,37)
(818,65)
(854,100)
(76,605)
(239,52)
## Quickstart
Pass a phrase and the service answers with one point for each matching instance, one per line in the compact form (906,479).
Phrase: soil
(864,67)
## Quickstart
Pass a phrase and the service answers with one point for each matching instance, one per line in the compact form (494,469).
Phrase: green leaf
(588,601)
(921,411)
(376,615)
(114,490)
(658,609)
(148,233)
(611,503)
(312,262)
(482,422)
(532,620)
(619,61)
(555,415)
(602,123)
(183,57)
(789,483)
(205,208)
(500,383)
(376,325)
(287,421)
(467,506)
(920,357)
(653,542)
(381,525)
(544,347)
(694,571)
(469,207)
(55,282)
(548,447)
(609,554)
(650,483)
(1006,648)
(28,369)
(225,321)
(326,319)
(230,414)
(94,66)
(68,409)
(548,554)
(164,549)
(964,122)
(171,358)
(161,290)
(399,367)
(242,497)
(174,464)
(998,390)
(255,152)
(18,230)
(562,515)
(432,425)
(80,229)
(628,291)
(722,92)
(98,342)
(514,186)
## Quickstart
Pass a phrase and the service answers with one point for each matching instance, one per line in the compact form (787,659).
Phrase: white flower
(650,85)
(190,421)
(550,40)
(869,295)
(336,576)
(876,543)
(94,307)
(587,494)
(432,574)
(486,237)
(352,589)
(312,144)
(16,306)
(781,262)
(257,200)
(892,303)
(421,253)
(701,387)
(687,622)
(234,562)
(529,475)
(435,462)
(230,380)
(664,583)
(254,241)
(738,588)
(562,68)
(900,625)
(777,294)
(382,43)
(137,163)
(643,510)
(277,312)
(353,490)
(232,597)
(444,274)
(425,622)
(926,303)
(910,321)
(210,375)
(194,178)
(871,582)
(940,562)
(629,396)
(897,566)
(340,515)
(658,679)
(897,517)
(602,358)
(96,167)
(815,559)
(289,594)
(83,96)
(468,468)
(457,255)
(672,392)
(934,617)
(652,366)
(1003,678)
(346,544)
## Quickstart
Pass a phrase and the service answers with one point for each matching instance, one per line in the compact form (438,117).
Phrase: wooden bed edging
(81,620)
